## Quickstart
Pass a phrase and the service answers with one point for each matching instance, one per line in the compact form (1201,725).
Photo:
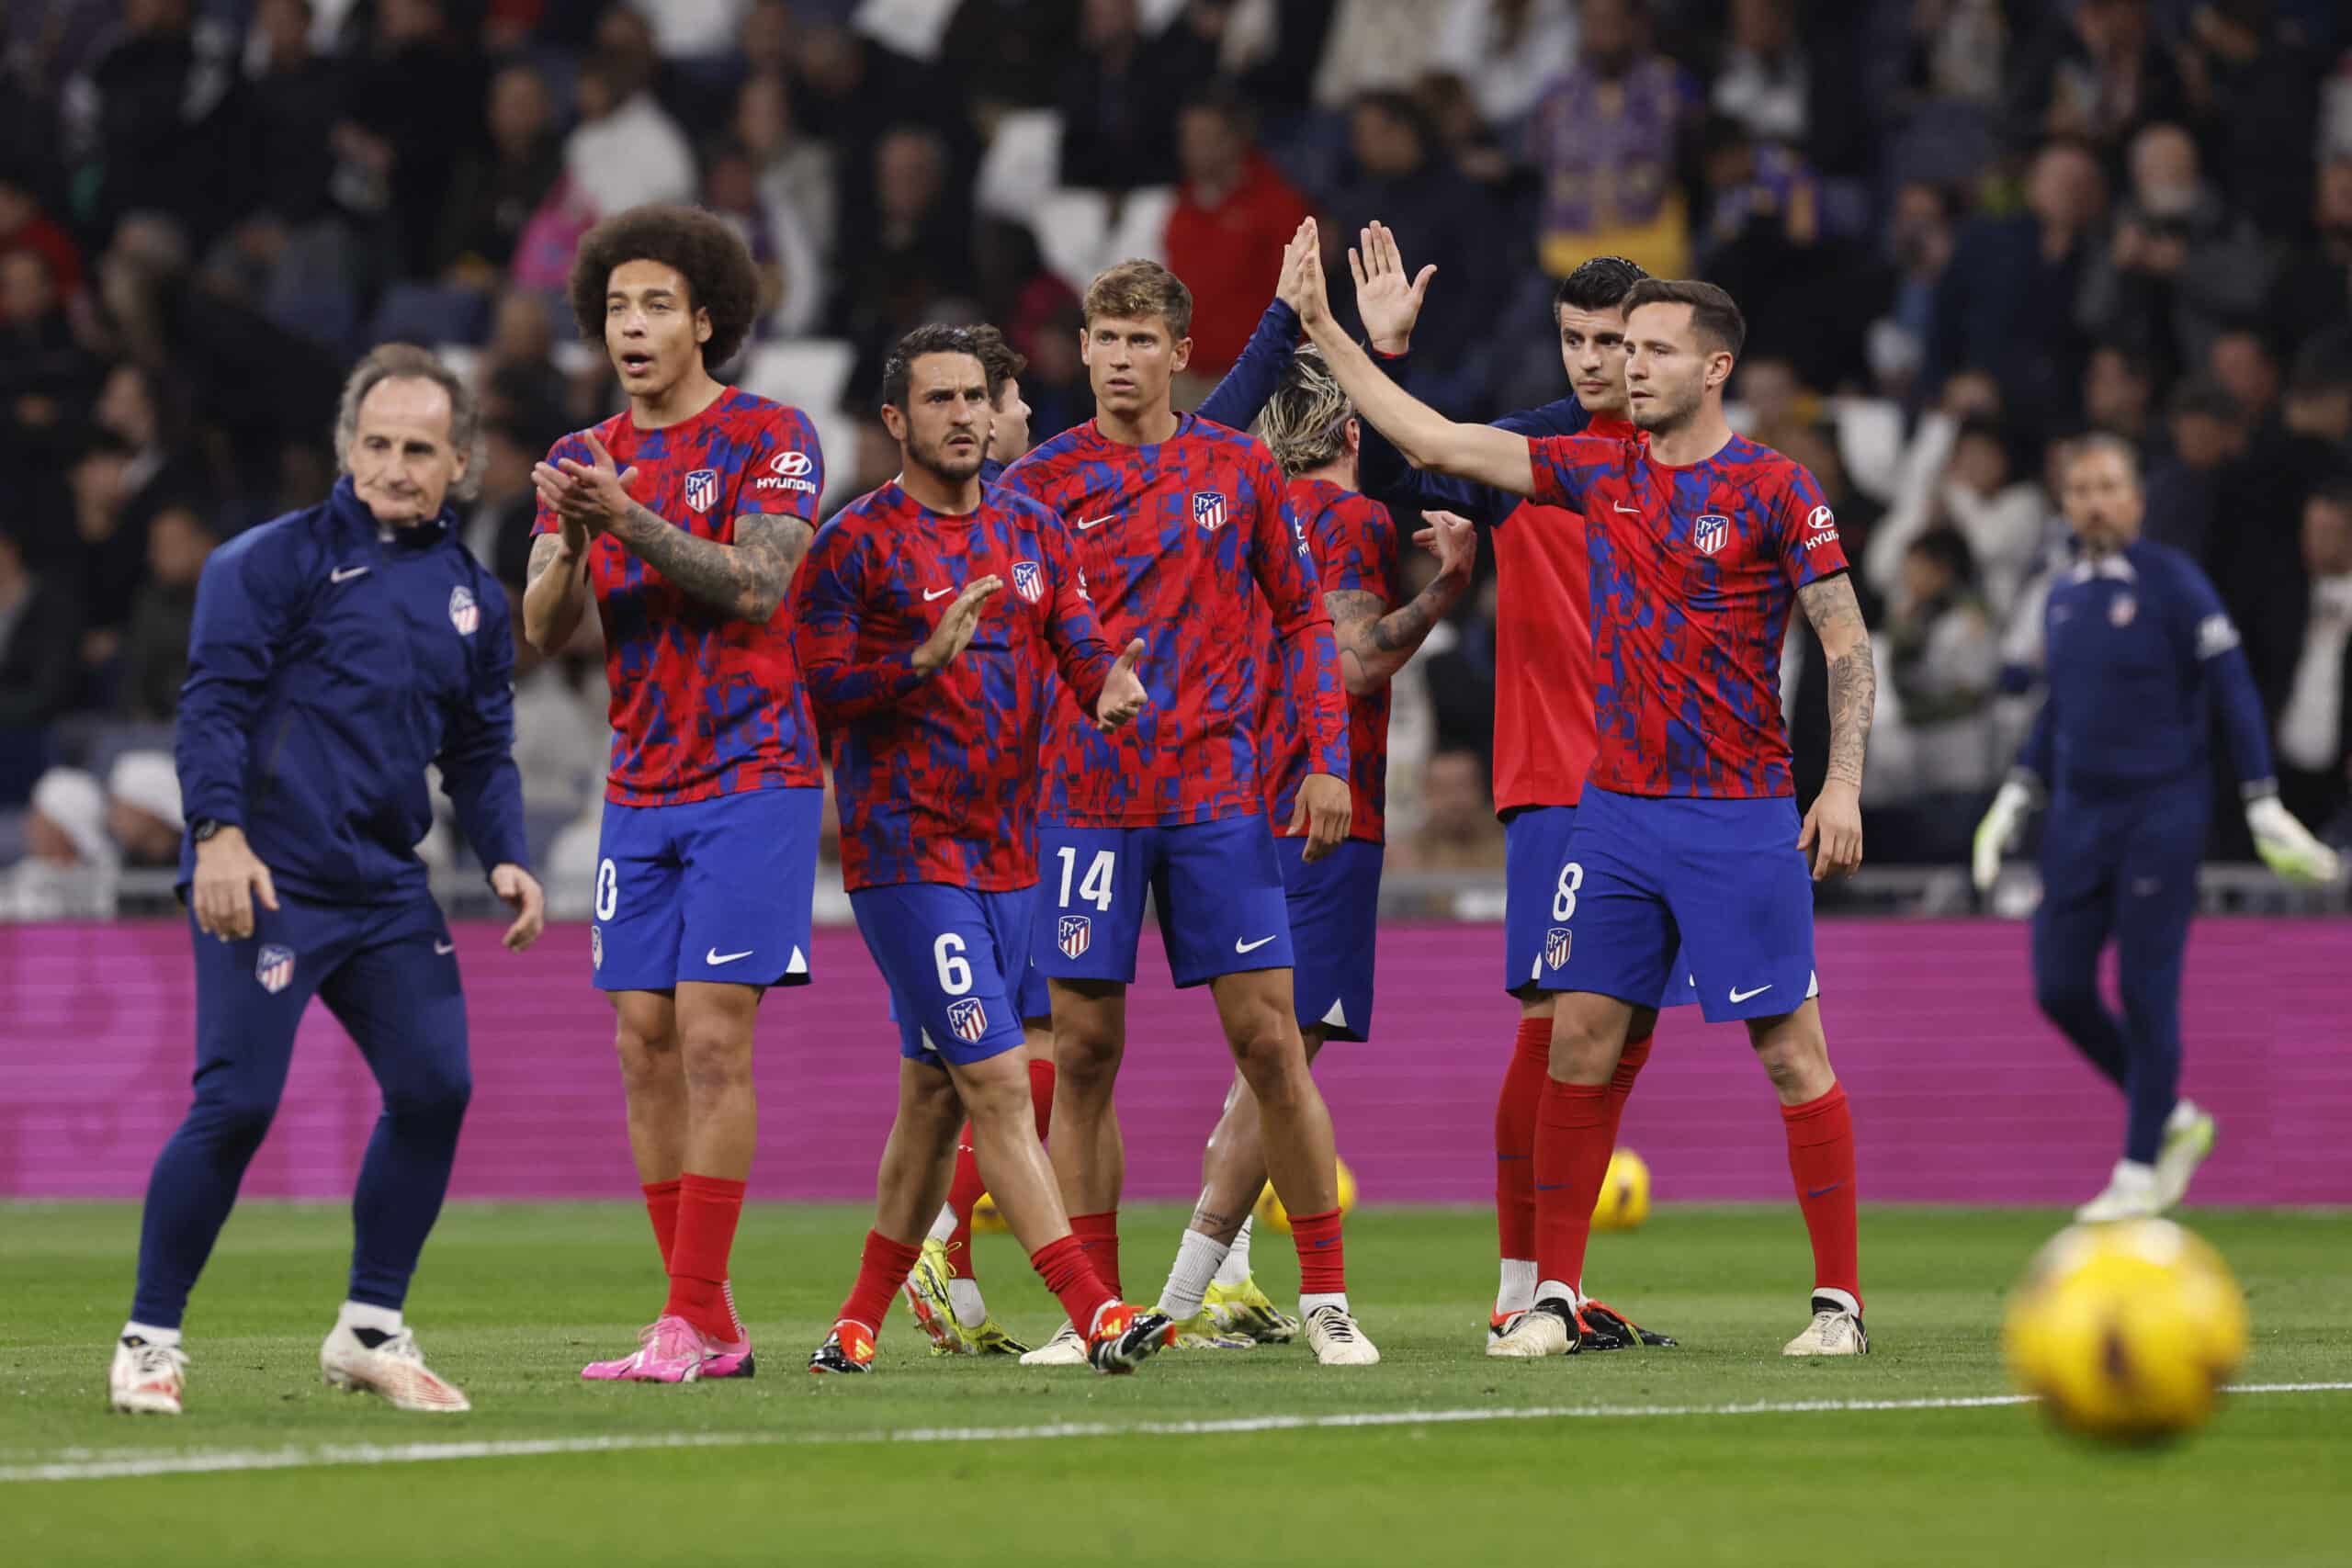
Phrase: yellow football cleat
(991,1339)
(1202,1332)
(926,1295)
(1244,1309)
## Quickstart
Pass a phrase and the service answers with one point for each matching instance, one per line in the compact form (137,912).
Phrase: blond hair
(1140,290)
(1306,421)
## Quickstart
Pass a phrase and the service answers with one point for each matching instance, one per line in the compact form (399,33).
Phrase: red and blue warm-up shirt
(936,776)
(1354,543)
(703,704)
(1178,541)
(1693,571)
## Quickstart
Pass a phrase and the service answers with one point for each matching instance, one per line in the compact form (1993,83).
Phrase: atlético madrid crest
(1707,535)
(1077,933)
(275,968)
(702,488)
(1208,510)
(967,1018)
(1027,581)
(464,613)
(1556,943)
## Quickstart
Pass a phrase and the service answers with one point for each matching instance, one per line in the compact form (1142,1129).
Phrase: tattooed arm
(1375,641)
(746,580)
(1835,819)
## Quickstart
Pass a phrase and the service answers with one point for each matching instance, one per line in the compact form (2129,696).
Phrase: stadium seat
(1079,237)
(424,312)
(807,373)
(1018,172)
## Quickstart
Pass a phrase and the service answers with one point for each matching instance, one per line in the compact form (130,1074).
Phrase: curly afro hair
(720,275)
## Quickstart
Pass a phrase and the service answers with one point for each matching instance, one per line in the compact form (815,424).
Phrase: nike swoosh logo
(445,947)
(1087,523)
(1240,946)
(1739,996)
(715,957)
(345,573)
(1634,510)
(1823,1191)
(937,593)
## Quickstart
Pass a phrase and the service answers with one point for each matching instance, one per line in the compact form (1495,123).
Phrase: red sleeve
(1077,636)
(1566,466)
(1350,555)
(1310,656)
(1808,530)
(784,474)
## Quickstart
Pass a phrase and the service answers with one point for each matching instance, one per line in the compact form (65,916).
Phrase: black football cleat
(1606,1328)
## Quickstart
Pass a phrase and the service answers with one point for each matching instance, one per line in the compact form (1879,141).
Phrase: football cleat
(146,1378)
(1833,1331)
(729,1359)
(2132,1194)
(1336,1339)
(1066,1348)
(1498,1324)
(368,1360)
(1547,1328)
(1245,1309)
(2188,1138)
(991,1339)
(848,1348)
(670,1349)
(926,1296)
(1200,1332)
(1124,1338)
(1606,1328)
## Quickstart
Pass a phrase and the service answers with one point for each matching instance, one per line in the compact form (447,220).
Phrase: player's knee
(1798,1065)
(234,1115)
(1584,1050)
(717,1059)
(2064,997)
(1267,1050)
(999,1101)
(1085,1059)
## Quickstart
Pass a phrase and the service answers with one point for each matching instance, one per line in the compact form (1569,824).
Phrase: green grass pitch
(1643,1463)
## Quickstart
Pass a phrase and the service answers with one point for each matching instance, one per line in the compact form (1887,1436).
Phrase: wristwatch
(203,827)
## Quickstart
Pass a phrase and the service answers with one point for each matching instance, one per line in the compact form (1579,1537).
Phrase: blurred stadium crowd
(1960,230)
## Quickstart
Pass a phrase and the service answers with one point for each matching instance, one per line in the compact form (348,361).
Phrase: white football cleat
(1336,1340)
(146,1378)
(2130,1195)
(1547,1328)
(1066,1348)
(1836,1330)
(2188,1138)
(394,1369)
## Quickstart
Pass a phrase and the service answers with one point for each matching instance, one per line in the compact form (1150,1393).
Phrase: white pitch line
(87,1464)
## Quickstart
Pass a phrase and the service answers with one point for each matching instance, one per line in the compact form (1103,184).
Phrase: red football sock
(1571,1158)
(1530,1063)
(708,1210)
(1620,1083)
(1821,1158)
(1069,1274)
(882,1268)
(1099,1235)
(1041,1095)
(1322,1256)
(963,1194)
(662,1207)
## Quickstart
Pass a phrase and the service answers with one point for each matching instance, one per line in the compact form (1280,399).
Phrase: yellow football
(1274,1216)
(2126,1332)
(1624,1200)
(985,1216)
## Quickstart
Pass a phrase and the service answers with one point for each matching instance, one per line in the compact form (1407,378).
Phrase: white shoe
(1547,1328)
(2188,1138)
(1066,1348)
(394,1369)
(1337,1341)
(146,1378)
(2130,1195)
(1836,1330)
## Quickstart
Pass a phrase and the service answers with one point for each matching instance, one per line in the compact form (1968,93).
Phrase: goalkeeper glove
(2287,846)
(1998,832)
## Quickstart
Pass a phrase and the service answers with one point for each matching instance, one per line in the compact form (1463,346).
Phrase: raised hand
(1301,243)
(593,495)
(1123,693)
(1453,539)
(954,633)
(1305,294)
(1388,300)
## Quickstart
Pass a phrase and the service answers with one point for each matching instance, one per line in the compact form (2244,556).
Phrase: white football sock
(359,1314)
(964,1295)
(1197,1257)
(1307,1303)
(1554,1290)
(167,1338)
(1235,1269)
(1516,1292)
(943,1226)
(2184,1115)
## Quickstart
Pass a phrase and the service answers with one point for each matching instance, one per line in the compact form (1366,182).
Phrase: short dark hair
(722,278)
(932,338)
(1598,283)
(1138,291)
(2334,491)
(1713,313)
(997,358)
(1946,548)
(1219,96)
(2204,395)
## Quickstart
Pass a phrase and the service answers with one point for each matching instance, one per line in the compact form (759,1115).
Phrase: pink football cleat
(670,1349)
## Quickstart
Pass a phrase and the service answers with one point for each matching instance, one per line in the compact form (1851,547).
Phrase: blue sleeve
(2033,757)
(1249,385)
(2216,647)
(245,603)
(477,761)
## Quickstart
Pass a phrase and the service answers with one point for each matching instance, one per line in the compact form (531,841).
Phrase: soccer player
(1179,524)
(2139,652)
(1699,541)
(933,696)
(1544,736)
(685,515)
(336,653)
(1333,902)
